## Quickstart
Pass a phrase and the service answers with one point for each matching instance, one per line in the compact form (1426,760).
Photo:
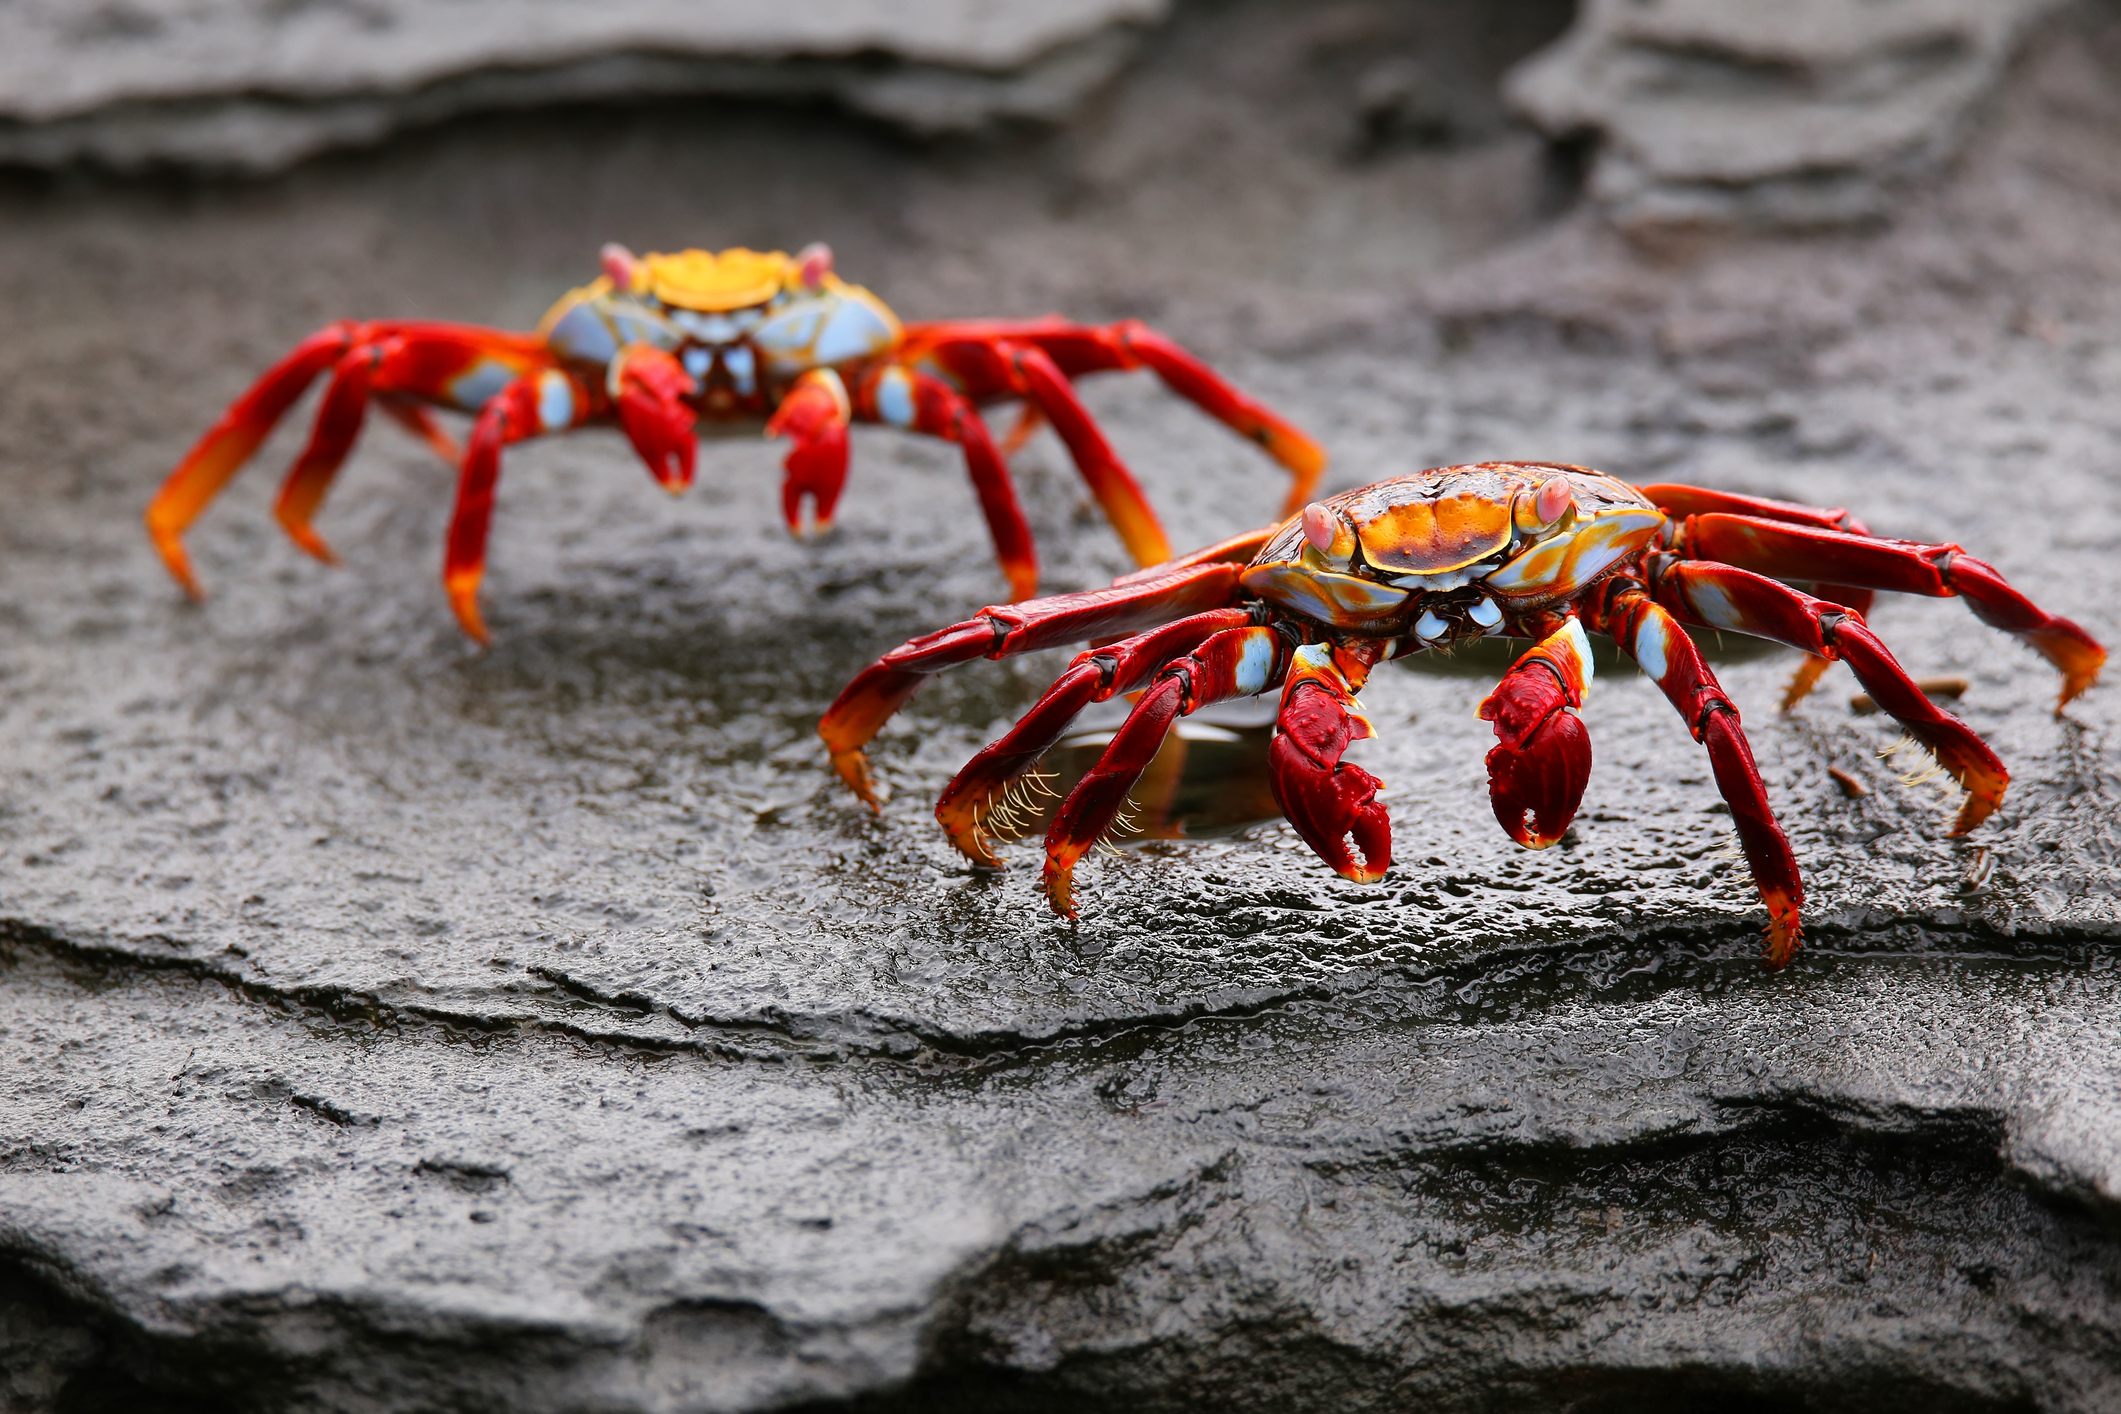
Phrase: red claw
(1542,762)
(1538,770)
(652,388)
(1328,799)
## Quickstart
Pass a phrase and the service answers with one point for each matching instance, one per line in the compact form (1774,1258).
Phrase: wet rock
(389,1025)
(1727,113)
(255,86)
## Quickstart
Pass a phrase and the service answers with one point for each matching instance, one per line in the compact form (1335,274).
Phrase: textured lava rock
(1726,112)
(389,1025)
(255,85)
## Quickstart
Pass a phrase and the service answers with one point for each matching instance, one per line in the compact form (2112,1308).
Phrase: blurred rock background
(393,1027)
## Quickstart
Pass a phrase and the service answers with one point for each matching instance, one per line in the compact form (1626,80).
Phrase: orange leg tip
(464,601)
(1060,889)
(853,768)
(1805,679)
(310,543)
(1785,930)
(960,822)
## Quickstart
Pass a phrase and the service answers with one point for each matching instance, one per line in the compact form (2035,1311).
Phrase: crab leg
(1131,344)
(420,423)
(221,452)
(1000,631)
(331,438)
(1654,639)
(1904,566)
(537,403)
(1107,477)
(1719,596)
(393,361)
(1328,800)
(1096,675)
(907,397)
(1207,390)
(814,415)
(1542,760)
(1238,662)
(1679,502)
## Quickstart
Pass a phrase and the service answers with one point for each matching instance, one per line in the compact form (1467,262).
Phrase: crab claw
(1327,799)
(650,388)
(814,415)
(1542,760)
(1537,773)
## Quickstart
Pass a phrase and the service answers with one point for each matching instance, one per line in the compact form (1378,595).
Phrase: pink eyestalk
(620,265)
(812,264)
(1538,771)
(650,388)
(1327,799)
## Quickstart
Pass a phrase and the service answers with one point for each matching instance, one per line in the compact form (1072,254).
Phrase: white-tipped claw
(1429,626)
(1486,612)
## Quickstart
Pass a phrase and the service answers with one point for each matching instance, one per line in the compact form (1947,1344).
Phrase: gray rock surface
(392,1026)
(1794,114)
(256,85)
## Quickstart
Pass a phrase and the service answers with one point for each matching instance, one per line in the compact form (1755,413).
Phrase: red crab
(662,343)
(1525,550)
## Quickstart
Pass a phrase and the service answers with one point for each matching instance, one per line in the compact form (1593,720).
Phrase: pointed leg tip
(1059,886)
(853,768)
(1785,934)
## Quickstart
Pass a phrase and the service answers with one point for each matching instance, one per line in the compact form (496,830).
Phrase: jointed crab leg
(1077,349)
(999,631)
(548,401)
(391,361)
(1110,482)
(220,453)
(331,437)
(1722,597)
(1654,639)
(1096,675)
(1904,566)
(1679,501)
(1238,662)
(909,398)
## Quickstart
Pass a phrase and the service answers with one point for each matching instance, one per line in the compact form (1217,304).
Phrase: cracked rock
(1726,112)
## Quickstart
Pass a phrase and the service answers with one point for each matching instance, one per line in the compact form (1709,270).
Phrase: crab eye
(1320,527)
(812,263)
(621,265)
(1554,499)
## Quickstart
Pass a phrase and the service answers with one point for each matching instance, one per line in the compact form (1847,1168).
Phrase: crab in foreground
(1419,563)
(663,344)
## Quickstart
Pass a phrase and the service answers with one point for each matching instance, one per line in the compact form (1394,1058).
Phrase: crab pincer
(1327,799)
(1541,763)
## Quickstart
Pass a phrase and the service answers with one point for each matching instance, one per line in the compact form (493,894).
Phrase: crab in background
(665,346)
(1535,551)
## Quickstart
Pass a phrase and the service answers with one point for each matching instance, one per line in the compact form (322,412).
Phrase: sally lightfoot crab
(1535,551)
(663,344)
